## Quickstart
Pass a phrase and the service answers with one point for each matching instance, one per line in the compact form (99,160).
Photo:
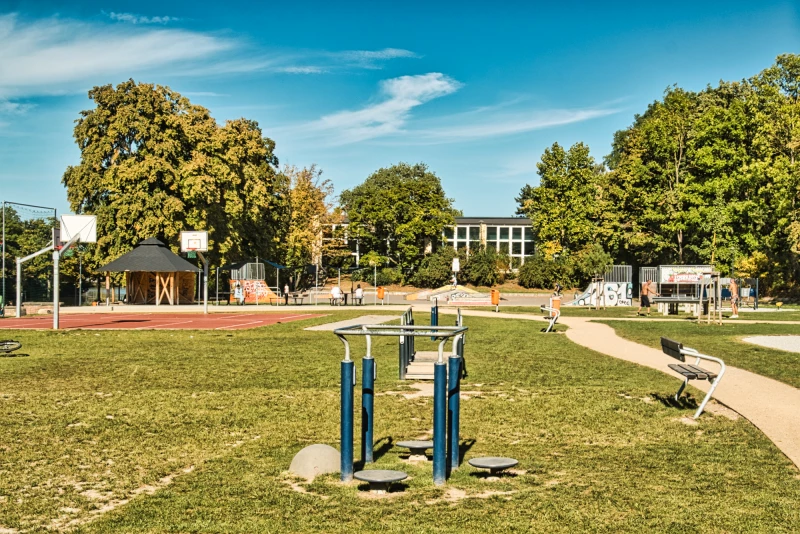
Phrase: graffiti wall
(255,291)
(616,294)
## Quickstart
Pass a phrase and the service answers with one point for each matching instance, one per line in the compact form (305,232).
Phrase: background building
(510,235)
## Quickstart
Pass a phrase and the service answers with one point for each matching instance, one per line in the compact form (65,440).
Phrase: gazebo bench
(692,371)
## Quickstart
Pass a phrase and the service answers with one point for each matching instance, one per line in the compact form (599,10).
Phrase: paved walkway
(772,406)
(364,319)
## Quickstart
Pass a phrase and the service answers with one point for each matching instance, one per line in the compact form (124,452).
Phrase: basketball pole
(56,257)
(205,281)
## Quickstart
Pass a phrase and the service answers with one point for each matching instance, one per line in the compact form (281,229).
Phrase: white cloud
(371,59)
(302,70)
(390,119)
(497,125)
(400,96)
(140,19)
(13,108)
(53,56)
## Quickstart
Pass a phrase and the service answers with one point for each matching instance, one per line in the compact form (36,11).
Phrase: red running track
(154,321)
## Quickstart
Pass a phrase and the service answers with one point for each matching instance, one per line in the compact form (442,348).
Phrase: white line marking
(235,325)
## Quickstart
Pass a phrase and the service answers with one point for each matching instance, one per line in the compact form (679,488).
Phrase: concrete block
(314,460)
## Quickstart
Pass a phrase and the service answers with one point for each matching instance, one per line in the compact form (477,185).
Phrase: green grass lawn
(724,342)
(196,429)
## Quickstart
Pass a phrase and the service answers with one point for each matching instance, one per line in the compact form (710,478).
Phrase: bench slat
(692,372)
(672,348)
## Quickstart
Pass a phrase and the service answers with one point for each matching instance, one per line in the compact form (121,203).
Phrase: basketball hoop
(194,241)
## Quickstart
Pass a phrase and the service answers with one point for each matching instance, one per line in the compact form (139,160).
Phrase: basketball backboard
(84,226)
(194,241)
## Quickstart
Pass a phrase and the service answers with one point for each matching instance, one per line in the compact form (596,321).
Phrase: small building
(155,275)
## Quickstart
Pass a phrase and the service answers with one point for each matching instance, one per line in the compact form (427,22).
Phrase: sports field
(193,431)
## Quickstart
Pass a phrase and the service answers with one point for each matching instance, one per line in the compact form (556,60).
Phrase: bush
(435,270)
(590,261)
(543,273)
(386,276)
(484,267)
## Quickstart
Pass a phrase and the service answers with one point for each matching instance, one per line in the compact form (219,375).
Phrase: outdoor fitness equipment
(445,430)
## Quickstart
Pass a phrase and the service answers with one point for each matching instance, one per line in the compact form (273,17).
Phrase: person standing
(454,281)
(644,300)
(238,294)
(734,287)
(286,293)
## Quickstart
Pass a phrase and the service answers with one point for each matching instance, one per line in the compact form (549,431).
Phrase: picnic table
(276,299)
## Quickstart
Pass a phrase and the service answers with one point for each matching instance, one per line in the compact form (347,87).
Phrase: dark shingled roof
(150,255)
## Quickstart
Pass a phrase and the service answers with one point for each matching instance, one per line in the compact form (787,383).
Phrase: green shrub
(436,269)
(484,267)
(543,273)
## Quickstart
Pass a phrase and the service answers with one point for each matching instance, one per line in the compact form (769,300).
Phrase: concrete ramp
(365,319)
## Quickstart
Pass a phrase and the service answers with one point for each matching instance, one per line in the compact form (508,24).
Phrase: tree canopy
(399,212)
(153,164)
(699,177)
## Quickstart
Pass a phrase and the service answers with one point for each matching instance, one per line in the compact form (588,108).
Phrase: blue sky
(475,90)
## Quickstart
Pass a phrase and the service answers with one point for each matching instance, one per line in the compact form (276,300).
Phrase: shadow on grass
(378,451)
(488,475)
(463,449)
(686,402)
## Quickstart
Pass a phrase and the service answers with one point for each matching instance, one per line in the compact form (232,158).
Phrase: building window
(516,249)
(474,233)
(491,233)
(448,233)
(517,233)
(503,233)
(462,232)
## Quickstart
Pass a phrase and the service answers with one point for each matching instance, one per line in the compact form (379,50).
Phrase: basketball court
(155,321)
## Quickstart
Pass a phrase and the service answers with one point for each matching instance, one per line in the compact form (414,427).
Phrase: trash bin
(555,303)
(495,297)
(381,292)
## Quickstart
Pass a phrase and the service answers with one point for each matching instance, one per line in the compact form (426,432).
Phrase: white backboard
(84,226)
(194,241)
(456,265)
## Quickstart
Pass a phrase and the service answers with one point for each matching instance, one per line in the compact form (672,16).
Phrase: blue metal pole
(439,423)
(435,315)
(367,406)
(453,412)
(348,381)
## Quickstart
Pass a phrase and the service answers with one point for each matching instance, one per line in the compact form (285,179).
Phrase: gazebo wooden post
(158,292)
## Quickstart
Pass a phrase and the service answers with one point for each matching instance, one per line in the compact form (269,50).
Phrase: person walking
(644,300)
(734,287)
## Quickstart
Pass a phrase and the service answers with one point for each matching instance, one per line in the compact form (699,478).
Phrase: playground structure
(446,397)
(613,288)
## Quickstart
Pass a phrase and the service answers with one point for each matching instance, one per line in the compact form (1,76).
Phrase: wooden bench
(692,371)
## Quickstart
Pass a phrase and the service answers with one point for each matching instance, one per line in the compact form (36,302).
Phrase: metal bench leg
(708,397)
(680,390)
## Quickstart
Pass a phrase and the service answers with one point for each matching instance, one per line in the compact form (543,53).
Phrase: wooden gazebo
(155,275)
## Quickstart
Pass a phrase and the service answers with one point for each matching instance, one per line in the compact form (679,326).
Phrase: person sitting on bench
(359,295)
(336,296)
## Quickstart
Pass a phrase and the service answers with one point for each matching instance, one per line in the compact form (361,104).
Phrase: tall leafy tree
(400,212)
(565,206)
(310,211)
(153,164)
